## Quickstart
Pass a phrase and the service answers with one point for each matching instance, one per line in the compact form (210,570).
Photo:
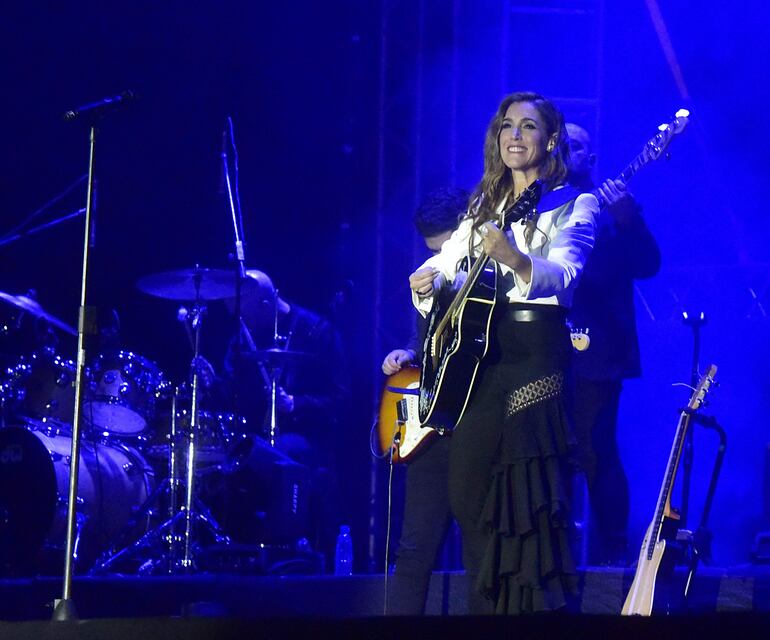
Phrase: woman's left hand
(503,250)
(497,246)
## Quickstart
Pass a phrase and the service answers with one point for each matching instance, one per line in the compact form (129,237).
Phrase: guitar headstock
(525,206)
(656,146)
(580,339)
(702,389)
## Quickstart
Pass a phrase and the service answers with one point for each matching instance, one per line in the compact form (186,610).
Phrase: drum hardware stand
(234,201)
(181,547)
(274,371)
(270,369)
(169,488)
(191,516)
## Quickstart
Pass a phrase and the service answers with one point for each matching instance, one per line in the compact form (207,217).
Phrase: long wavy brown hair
(497,181)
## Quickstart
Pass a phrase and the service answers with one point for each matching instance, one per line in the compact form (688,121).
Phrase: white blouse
(559,249)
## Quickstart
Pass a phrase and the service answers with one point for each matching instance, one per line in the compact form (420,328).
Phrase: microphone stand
(42,227)
(64,608)
(17,232)
(234,201)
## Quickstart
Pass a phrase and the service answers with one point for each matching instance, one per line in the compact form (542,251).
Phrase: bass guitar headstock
(656,146)
(699,394)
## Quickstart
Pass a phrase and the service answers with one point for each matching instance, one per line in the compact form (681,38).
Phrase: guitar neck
(462,294)
(633,167)
(664,497)
(654,148)
(523,207)
(629,172)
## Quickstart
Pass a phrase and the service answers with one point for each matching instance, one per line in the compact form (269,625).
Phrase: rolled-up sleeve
(447,261)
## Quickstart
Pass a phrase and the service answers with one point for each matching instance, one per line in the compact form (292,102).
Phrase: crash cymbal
(33,308)
(274,357)
(190,284)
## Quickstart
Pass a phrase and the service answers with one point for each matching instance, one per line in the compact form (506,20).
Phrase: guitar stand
(700,542)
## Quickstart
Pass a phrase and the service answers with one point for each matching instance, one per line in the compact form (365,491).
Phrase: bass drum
(114,481)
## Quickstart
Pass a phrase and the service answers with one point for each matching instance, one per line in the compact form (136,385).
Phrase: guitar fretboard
(668,481)
(521,208)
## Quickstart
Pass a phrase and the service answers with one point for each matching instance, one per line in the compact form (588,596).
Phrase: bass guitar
(457,337)
(398,422)
(398,425)
(663,528)
(653,149)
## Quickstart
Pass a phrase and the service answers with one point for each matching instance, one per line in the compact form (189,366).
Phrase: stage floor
(737,589)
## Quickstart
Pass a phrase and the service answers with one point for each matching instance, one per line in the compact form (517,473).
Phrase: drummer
(304,354)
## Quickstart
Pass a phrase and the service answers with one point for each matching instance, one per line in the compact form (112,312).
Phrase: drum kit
(147,446)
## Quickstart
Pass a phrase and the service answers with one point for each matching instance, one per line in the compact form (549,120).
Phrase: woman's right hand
(421,281)
(396,360)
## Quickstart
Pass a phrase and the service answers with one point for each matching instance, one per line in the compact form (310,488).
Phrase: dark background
(346,114)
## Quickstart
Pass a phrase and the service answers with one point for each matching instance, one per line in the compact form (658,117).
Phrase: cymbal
(189,284)
(33,308)
(274,357)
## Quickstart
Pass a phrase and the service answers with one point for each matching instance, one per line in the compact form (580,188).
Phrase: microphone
(99,107)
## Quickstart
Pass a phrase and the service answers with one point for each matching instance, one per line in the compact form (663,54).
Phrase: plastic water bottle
(343,553)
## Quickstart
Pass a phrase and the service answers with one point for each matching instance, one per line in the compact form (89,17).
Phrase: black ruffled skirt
(528,565)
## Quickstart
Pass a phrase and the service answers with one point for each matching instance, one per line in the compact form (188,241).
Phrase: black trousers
(474,451)
(426,520)
(595,415)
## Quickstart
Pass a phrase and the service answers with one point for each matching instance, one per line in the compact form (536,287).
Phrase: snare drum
(114,480)
(123,393)
(42,386)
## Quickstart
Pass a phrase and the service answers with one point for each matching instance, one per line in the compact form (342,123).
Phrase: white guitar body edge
(641,595)
(412,434)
